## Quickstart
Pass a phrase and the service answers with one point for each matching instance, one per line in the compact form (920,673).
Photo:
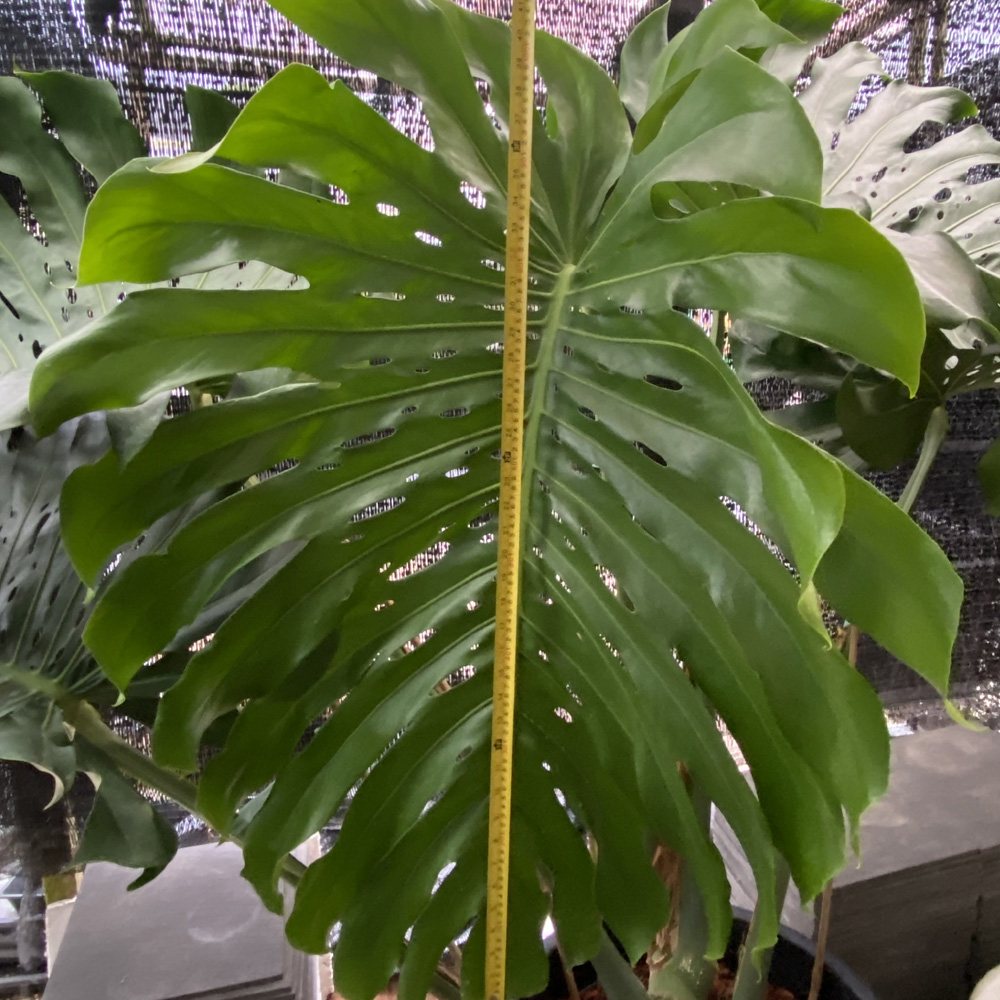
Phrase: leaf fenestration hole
(664,383)
(650,453)
(472,194)
(943,195)
(429,238)
(362,439)
(10,306)
(379,507)
(386,209)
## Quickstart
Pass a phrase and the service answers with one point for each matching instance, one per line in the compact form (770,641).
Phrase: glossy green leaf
(833,86)
(210,113)
(748,250)
(786,62)
(951,286)
(43,610)
(876,536)
(123,827)
(88,117)
(413,45)
(14,386)
(642,49)
(809,20)
(881,422)
(32,734)
(378,617)
(45,605)
(760,352)
(869,160)
(941,223)
(969,215)
(650,68)
(731,100)
(36,307)
(44,167)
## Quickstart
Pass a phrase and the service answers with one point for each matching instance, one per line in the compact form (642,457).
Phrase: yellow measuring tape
(522,106)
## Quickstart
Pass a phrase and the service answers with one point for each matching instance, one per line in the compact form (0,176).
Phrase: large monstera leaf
(933,202)
(647,608)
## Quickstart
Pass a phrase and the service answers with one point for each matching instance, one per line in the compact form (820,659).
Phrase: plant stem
(751,977)
(819,962)
(937,431)
(616,976)
(848,638)
(574,992)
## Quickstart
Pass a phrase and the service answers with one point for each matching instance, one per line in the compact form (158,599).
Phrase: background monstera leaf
(647,609)
(44,605)
(932,199)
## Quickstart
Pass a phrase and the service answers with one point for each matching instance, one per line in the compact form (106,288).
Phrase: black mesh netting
(151,49)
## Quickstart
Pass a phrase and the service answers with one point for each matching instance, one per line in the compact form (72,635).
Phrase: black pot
(792,963)
(791,967)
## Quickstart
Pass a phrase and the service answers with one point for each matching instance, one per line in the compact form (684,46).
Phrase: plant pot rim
(847,978)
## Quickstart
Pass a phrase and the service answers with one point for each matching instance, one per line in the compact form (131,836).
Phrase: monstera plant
(649,612)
